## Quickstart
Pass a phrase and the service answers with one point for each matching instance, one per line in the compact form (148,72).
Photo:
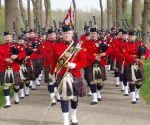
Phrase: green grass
(145,89)
(2,99)
(1,96)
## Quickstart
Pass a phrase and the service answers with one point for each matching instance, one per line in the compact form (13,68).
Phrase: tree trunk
(102,17)
(75,11)
(109,14)
(146,23)
(114,12)
(48,14)
(12,15)
(23,13)
(29,14)
(39,12)
(136,14)
(0,4)
(124,7)
(118,13)
(34,9)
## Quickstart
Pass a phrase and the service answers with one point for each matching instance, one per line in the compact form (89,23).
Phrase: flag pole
(75,23)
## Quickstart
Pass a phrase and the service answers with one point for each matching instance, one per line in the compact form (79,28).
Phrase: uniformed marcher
(47,51)
(95,69)
(9,57)
(69,60)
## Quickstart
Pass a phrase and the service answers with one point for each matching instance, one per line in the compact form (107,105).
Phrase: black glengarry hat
(66,28)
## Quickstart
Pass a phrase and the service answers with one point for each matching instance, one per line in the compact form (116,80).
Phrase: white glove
(52,77)
(78,46)
(71,65)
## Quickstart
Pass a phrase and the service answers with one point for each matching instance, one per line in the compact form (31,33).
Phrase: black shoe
(89,94)
(74,123)
(26,94)
(137,99)
(126,94)
(94,103)
(16,102)
(58,100)
(134,102)
(21,97)
(53,104)
(99,99)
(33,88)
(122,90)
(7,106)
(117,85)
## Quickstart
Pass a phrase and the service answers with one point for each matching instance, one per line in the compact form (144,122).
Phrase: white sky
(85,5)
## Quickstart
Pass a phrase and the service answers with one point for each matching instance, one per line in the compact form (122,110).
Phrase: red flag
(69,19)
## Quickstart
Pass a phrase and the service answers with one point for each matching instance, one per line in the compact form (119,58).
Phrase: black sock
(132,87)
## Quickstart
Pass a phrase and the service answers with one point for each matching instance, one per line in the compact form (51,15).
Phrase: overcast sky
(85,5)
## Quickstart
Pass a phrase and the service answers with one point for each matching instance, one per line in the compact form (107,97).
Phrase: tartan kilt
(108,60)
(127,73)
(119,68)
(30,72)
(85,73)
(116,70)
(111,65)
(77,85)
(89,72)
(41,63)
(16,76)
(46,74)
(142,72)
(103,71)
(37,67)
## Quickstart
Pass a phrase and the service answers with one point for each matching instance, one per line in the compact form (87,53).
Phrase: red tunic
(5,52)
(83,37)
(47,51)
(79,59)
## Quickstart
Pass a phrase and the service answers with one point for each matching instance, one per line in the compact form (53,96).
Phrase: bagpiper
(69,59)
(9,70)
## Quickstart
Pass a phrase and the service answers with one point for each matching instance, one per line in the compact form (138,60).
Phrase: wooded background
(136,12)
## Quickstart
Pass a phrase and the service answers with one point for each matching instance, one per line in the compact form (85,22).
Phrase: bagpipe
(35,45)
(68,89)
(64,58)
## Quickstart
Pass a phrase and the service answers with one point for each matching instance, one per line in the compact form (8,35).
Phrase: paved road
(115,109)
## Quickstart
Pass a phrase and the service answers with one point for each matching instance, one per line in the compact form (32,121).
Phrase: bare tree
(102,17)
(114,12)
(136,14)
(34,8)
(118,13)
(109,14)
(38,15)
(29,13)
(0,4)
(23,12)
(124,7)
(48,14)
(146,23)
(41,13)
(12,16)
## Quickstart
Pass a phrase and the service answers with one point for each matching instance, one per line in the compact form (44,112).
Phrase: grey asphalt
(115,109)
